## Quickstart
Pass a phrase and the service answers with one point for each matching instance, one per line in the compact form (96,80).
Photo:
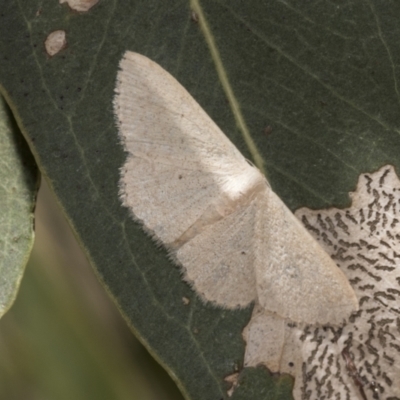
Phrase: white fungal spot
(80,5)
(197,195)
(185,301)
(360,360)
(55,42)
(194,16)
(232,380)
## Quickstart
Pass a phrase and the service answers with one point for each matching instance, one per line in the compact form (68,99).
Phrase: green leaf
(19,183)
(322,75)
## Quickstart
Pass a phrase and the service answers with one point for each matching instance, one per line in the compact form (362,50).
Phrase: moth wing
(295,277)
(218,262)
(179,161)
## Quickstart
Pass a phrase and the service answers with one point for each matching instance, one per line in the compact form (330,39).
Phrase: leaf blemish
(55,42)
(80,5)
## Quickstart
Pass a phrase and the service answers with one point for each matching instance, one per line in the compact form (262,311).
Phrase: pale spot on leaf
(233,382)
(55,42)
(185,301)
(80,5)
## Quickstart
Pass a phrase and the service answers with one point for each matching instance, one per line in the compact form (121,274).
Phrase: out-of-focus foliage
(63,338)
(18,187)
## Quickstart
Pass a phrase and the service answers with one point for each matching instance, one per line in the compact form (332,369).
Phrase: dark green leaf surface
(322,75)
(18,177)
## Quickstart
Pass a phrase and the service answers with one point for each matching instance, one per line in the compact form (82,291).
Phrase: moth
(195,193)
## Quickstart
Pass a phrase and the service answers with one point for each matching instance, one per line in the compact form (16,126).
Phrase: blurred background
(63,338)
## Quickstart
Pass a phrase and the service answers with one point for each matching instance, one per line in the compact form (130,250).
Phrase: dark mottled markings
(331,227)
(383,255)
(384,268)
(321,223)
(368,260)
(351,218)
(310,227)
(326,239)
(389,235)
(368,286)
(389,203)
(395,221)
(382,178)
(362,217)
(341,224)
(357,266)
(374,277)
(341,256)
(368,184)
(353,372)
(384,221)
(365,243)
(383,243)
(373,224)
(389,359)
(384,295)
